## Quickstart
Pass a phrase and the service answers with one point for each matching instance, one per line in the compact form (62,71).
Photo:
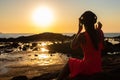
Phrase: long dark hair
(89,19)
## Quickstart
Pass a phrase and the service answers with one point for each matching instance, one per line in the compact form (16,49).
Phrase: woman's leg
(64,73)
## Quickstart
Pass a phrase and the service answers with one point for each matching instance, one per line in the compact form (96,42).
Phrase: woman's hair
(88,19)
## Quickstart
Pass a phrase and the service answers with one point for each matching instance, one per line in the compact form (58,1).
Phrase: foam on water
(27,59)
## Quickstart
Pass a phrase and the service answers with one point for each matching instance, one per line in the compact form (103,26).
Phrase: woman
(91,42)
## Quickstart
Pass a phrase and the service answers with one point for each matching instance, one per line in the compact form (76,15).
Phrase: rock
(111,75)
(35,55)
(46,76)
(20,78)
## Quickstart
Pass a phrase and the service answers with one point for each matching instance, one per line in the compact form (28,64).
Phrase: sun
(42,16)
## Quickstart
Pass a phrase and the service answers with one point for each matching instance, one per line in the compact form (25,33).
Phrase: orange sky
(16,15)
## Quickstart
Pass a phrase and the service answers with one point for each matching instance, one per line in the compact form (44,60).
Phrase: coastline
(16,35)
(17,52)
(31,71)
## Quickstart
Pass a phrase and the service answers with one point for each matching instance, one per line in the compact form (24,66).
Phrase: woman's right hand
(80,25)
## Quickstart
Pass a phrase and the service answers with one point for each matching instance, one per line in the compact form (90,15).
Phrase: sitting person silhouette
(91,42)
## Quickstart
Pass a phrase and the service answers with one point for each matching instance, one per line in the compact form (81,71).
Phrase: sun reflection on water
(44,49)
(43,44)
(43,56)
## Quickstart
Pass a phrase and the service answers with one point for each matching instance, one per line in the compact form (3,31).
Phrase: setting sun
(42,16)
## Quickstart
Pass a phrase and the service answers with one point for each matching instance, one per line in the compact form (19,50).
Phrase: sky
(16,16)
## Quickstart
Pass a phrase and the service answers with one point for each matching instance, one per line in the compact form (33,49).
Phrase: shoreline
(110,64)
(29,64)
(110,70)
(36,71)
(26,58)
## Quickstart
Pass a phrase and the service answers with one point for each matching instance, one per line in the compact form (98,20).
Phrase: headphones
(88,17)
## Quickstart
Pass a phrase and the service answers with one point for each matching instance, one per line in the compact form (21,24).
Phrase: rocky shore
(61,44)
(111,71)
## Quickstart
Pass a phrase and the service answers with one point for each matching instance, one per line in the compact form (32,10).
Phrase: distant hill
(38,37)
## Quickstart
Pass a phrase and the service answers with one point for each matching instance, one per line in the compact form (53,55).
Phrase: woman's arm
(76,41)
(99,28)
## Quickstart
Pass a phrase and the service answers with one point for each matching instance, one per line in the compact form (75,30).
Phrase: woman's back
(92,57)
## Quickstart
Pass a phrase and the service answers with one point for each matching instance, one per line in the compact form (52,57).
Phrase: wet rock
(8,50)
(111,75)
(35,55)
(29,55)
(25,48)
(15,44)
(20,78)
(46,76)
(34,44)
(35,49)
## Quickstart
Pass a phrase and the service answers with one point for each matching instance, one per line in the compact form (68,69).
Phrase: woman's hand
(99,25)
(76,42)
(80,26)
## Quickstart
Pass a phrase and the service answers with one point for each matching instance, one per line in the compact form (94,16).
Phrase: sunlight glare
(41,56)
(44,50)
(42,16)
(43,44)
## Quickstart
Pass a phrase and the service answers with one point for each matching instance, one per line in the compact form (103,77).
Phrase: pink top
(91,63)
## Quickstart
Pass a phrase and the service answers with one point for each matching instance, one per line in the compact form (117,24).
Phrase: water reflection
(43,44)
(47,59)
(43,56)
(28,59)
(44,49)
(112,40)
(32,46)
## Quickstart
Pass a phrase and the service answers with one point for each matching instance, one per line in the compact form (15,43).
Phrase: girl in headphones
(91,42)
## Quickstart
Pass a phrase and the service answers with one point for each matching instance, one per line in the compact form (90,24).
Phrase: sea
(16,62)
(15,35)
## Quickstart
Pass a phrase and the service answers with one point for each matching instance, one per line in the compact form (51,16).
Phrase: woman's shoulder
(82,33)
(82,37)
(100,32)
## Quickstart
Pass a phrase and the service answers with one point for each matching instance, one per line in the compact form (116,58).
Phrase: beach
(46,58)
(33,68)
(29,63)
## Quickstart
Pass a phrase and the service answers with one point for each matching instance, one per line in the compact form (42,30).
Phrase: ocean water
(105,34)
(111,34)
(15,35)
(29,62)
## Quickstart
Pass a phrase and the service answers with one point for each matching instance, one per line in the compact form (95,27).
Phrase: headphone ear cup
(81,19)
(95,19)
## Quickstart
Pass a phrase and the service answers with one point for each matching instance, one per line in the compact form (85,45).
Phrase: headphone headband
(88,17)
